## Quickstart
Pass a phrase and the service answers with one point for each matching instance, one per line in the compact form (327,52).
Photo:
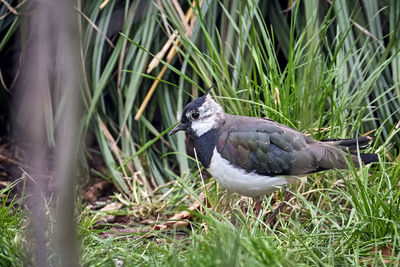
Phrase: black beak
(179,127)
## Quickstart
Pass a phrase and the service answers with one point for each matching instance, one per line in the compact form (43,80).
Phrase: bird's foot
(288,196)
(257,208)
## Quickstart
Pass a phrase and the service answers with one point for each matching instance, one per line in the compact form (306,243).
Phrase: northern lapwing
(256,156)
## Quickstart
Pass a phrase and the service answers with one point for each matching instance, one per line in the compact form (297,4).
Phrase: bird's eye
(195,115)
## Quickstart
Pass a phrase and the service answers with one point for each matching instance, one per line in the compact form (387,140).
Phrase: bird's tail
(332,152)
(361,142)
(369,158)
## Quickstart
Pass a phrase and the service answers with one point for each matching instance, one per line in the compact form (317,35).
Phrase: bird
(255,156)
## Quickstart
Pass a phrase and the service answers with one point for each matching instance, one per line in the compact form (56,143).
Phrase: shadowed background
(80,82)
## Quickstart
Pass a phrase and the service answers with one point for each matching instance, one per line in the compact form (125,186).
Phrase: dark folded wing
(266,147)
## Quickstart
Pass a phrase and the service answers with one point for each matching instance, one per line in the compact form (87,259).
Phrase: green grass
(12,230)
(335,83)
(338,218)
(309,68)
(330,70)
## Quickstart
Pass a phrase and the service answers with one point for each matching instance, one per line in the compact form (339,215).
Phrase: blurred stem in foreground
(47,109)
(68,132)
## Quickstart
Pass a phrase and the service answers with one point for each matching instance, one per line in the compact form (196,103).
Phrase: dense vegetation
(327,68)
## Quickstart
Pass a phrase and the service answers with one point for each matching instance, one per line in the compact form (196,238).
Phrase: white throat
(210,116)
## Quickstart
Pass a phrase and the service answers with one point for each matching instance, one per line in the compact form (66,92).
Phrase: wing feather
(266,147)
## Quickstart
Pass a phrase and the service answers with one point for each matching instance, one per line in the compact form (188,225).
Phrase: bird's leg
(288,196)
(258,205)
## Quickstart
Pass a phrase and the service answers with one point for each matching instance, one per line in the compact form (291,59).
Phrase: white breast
(247,184)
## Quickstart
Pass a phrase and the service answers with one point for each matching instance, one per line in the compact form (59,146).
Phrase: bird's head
(200,116)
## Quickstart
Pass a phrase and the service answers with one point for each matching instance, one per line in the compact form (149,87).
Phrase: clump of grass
(319,67)
(324,68)
(336,218)
(12,230)
(327,78)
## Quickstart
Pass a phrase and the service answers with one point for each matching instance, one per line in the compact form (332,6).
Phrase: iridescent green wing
(265,147)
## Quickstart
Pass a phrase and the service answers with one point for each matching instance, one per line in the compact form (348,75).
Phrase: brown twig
(178,220)
(170,56)
(150,93)
(103,5)
(156,60)
(363,30)
(12,161)
(184,20)
(95,27)
(9,7)
(114,147)
(9,12)
(163,17)
(368,33)
(289,8)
